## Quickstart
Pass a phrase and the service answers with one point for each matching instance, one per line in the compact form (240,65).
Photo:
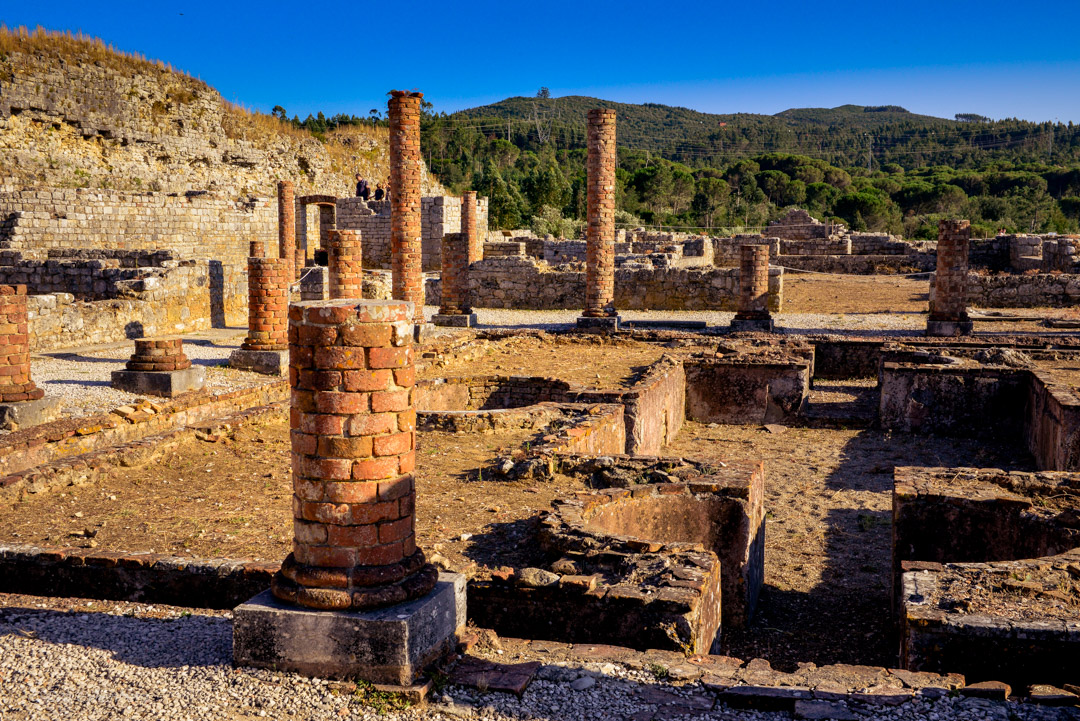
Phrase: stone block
(168,384)
(948,328)
(18,415)
(610,322)
(267,362)
(391,645)
(754,325)
(455,321)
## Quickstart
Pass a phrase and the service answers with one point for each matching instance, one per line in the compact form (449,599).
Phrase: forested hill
(846,135)
(874,168)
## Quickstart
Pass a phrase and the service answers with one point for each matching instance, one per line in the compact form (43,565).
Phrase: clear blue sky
(939,58)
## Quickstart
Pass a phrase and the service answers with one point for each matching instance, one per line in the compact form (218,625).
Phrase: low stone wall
(876,244)
(952,400)
(820,246)
(745,390)
(489,392)
(726,251)
(848,358)
(860,264)
(44,457)
(1052,423)
(520,282)
(1054,290)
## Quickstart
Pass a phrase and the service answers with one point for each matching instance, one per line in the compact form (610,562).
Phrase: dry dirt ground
(591,361)
(828,496)
(807,293)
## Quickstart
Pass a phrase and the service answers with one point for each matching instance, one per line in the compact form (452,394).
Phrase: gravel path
(80,377)
(146,662)
(846,323)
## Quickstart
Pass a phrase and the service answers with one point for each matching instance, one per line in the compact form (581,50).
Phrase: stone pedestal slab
(607,322)
(948,328)
(759,325)
(167,384)
(390,645)
(464,320)
(267,362)
(18,415)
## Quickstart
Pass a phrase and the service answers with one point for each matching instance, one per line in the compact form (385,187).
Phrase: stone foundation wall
(876,244)
(859,264)
(726,250)
(1052,423)
(1054,290)
(743,391)
(439,215)
(523,283)
(818,246)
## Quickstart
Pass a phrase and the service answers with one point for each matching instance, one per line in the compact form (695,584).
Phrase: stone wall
(1055,290)
(1052,423)
(743,390)
(439,215)
(859,264)
(797,224)
(520,282)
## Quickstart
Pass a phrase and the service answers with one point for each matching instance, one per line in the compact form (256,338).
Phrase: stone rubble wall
(818,246)
(1043,290)
(800,225)
(520,282)
(439,215)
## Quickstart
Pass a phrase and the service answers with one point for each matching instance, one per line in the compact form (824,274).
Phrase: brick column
(455,275)
(753,309)
(343,260)
(159,355)
(15,383)
(268,301)
(286,213)
(469,226)
(353,425)
(949,316)
(407,273)
(600,234)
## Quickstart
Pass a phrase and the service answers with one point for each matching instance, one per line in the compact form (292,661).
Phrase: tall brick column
(469,226)
(15,382)
(286,214)
(456,306)
(343,264)
(753,311)
(600,233)
(353,451)
(949,316)
(407,273)
(268,302)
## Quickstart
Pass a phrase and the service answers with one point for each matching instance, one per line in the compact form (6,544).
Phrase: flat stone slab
(267,362)
(24,414)
(948,328)
(167,384)
(755,325)
(391,645)
(610,322)
(455,321)
(685,324)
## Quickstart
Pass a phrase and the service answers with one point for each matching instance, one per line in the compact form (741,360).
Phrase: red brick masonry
(600,234)
(344,258)
(158,354)
(407,276)
(15,383)
(753,282)
(353,422)
(286,223)
(950,281)
(268,301)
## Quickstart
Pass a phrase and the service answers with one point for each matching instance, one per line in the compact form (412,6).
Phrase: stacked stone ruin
(405,176)
(159,367)
(753,313)
(344,264)
(949,316)
(600,230)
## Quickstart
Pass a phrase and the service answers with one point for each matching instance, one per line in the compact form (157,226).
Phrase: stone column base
(948,328)
(167,384)
(465,320)
(607,322)
(267,362)
(391,645)
(18,415)
(760,325)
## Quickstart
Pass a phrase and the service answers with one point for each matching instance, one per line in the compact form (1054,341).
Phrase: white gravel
(846,323)
(80,377)
(74,665)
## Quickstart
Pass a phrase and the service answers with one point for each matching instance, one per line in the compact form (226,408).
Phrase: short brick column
(268,302)
(600,232)
(287,224)
(159,367)
(949,315)
(407,276)
(15,382)
(753,311)
(158,354)
(344,253)
(353,451)
(456,306)
(469,226)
